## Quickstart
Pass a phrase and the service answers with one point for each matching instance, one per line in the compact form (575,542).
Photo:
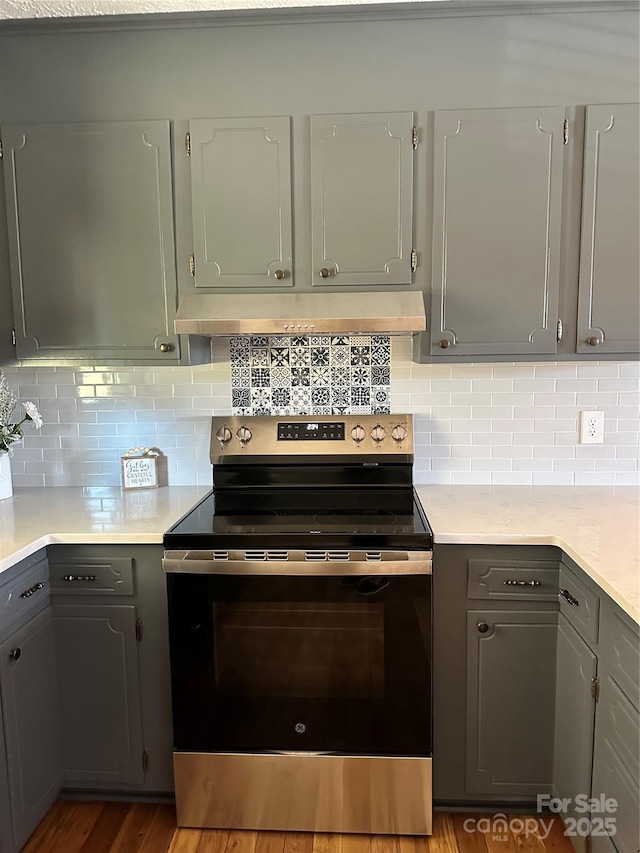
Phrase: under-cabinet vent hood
(301,313)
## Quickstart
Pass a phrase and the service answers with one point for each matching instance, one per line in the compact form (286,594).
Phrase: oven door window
(326,664)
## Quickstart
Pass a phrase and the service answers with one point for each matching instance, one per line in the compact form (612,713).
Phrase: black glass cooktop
(290,518)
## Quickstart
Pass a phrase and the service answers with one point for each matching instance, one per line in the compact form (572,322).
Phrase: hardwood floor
(110,827)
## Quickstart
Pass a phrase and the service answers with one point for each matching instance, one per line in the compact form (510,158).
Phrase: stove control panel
(236,437)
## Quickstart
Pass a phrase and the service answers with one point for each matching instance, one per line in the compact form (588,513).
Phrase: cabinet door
(616,763)
(609,296)
(91,240)
(510,701)
(241,199)
(575,707)
(31,721)
(362,198)
(99,695)
(496,238)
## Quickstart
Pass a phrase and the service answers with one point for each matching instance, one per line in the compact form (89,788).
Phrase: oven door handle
(292,563)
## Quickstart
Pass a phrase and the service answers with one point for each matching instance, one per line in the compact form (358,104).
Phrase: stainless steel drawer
(91,576)
(579,604)
(23,595)
(529,580)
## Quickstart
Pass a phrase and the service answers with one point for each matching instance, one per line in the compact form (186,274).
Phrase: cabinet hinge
(187,144)
(559,330)
(414,137)
(595,688)
(565,134)
(13,337)
(139,630)
(414,260)
(1,149)
(145,760)
(192,264)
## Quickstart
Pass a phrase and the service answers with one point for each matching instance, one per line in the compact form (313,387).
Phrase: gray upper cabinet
(91,239)
(241,201)
(496,237)
(362,198)
(609,293)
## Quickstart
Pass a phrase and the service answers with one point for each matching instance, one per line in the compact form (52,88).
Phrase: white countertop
(598,527)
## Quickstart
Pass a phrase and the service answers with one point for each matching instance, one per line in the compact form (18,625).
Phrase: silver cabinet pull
(14,654)
(71,578)
(325,272)
(29,592)
(522,583)
(569,598)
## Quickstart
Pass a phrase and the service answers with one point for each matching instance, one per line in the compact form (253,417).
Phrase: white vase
(6,486)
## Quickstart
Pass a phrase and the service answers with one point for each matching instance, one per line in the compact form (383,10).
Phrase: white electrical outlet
(591,427)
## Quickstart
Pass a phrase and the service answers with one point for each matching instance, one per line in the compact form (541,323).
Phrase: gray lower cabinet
(494,659)
(99,684)
(496,231)
(110,615)
(510,685)
(574,719)
(609,296)
(29,690)
(241,201)
(597,722)
(91,239)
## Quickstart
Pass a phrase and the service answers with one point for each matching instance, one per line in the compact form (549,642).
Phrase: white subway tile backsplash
(484,423)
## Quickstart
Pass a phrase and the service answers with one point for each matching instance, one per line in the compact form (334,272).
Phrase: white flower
(33,413)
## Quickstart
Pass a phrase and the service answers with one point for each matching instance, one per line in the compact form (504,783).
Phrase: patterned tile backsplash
(311,375)
(504,423)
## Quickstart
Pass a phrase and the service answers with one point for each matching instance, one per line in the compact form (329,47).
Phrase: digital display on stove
(311,431)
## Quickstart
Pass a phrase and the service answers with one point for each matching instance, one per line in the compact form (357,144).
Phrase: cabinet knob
(444,343)
(483,627)
(325,273)
(14,654)
(593,342)
(165,347)
(279,274)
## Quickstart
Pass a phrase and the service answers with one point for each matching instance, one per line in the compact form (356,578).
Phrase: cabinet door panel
(573,744)
(241,195)
(362,198)
(497,195)
(510,701)
(32,728)
(99,694)
(609,296)
(90,216)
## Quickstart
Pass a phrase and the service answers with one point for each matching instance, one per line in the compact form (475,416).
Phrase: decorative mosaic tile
(310,374)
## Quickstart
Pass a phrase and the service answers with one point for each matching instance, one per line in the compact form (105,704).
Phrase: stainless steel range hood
(301,313)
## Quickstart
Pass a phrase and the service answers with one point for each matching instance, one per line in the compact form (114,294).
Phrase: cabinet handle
(325,273)
(14,654)
(483,627)
(70,578)
(569,598)
(279,274)
(593,342)
(29,592)
(445,344)
(522,583)
(165,347)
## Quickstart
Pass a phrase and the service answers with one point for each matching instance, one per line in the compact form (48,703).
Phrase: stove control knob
(358,433)
(399,432)
(378,433)
(244,434)
(224,435)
